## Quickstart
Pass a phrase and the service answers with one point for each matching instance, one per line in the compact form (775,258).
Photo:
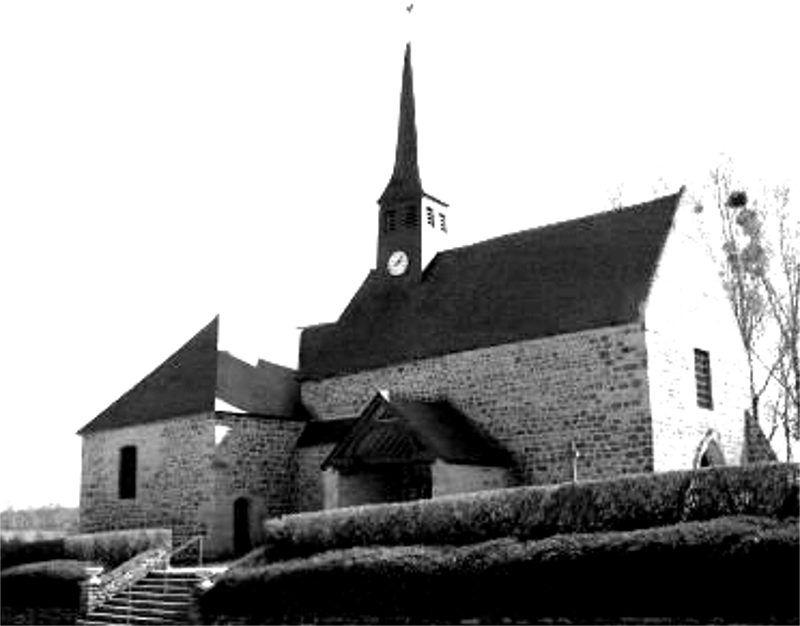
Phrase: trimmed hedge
(113,548)
(18,549)
(109,549)
(728,570)
(44,584)
(624,503)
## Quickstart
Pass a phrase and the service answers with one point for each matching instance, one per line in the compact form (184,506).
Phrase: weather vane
(409,27)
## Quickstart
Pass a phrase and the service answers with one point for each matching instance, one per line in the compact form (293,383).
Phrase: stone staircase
(161,597)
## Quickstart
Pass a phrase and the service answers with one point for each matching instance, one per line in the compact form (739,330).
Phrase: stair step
(161,589)
(162,584)
(161,597)
(181,572)
(121,606)
(159,601)
(144,597)
(175,578)
(124,618)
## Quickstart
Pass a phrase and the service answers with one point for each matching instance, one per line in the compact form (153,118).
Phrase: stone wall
(252,460)
(534,397)
(173,479)
(309,479)
(688,309)
(450,479)
(187,480)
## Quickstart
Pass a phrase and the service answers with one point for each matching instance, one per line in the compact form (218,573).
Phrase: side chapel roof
(190,381)
(585,273)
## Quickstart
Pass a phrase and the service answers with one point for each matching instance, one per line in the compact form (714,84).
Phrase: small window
(431,217)
(411,217)
(127,473)
(702,376)
(389,223)
(442,223)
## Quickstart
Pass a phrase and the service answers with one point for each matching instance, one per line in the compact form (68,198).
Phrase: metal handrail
(192,541)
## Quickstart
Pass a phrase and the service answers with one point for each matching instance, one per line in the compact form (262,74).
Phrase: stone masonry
(187,481)
(172,480)
(534,397)
(688,309)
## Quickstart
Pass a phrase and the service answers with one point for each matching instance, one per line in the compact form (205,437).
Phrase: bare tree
(761,274)
(782,287)
(742,261)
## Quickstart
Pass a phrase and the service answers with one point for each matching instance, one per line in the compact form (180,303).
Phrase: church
(580,350)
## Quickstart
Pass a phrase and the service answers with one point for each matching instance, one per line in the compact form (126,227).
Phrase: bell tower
(412,224)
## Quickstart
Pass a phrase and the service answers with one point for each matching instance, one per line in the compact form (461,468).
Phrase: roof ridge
(563,223)
(173,370)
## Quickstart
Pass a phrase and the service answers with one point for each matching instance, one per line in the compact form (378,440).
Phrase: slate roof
(322,432)
(266,389)
(183,384)
(190,381)
(586,273)
(405,181)
(409,431)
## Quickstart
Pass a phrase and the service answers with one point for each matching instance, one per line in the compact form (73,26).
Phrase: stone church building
(581,350)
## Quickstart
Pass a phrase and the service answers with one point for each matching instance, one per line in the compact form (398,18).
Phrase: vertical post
(575,455)
(130,599)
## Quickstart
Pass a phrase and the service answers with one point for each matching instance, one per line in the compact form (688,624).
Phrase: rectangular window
(442,222)
(702,377)
(431,217)
(127,473)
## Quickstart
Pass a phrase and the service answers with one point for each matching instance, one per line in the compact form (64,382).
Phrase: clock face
(398,263)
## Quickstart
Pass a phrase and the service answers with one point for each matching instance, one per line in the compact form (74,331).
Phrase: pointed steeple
(405,182)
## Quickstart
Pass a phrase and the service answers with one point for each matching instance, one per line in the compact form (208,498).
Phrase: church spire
(405,182)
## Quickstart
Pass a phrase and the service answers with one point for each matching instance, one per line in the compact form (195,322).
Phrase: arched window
(709,452)
(127,472)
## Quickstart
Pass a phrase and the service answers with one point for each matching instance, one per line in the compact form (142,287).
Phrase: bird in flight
(409,7)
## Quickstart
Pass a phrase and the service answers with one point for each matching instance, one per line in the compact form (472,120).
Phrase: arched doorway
(241,526)
(709,452)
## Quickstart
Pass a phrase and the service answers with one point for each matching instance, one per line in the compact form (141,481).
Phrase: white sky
(162,162)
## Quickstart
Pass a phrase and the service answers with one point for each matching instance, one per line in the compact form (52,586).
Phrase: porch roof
(412,431)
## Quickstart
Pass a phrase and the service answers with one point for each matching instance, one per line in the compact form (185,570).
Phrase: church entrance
(241,526)
(386,483)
